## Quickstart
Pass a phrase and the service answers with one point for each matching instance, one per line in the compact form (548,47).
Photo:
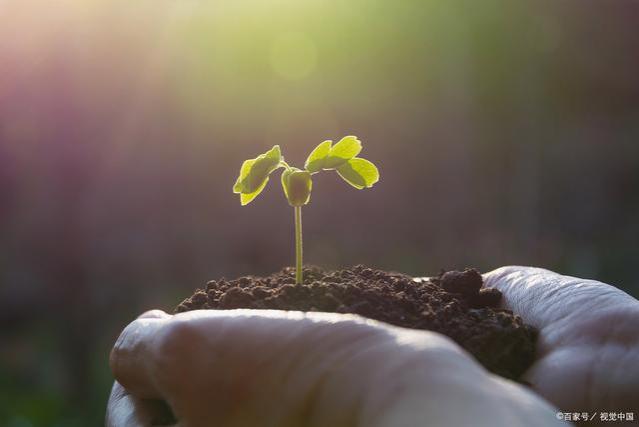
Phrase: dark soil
(454,303)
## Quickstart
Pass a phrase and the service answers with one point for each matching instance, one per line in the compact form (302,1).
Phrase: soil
(454,303)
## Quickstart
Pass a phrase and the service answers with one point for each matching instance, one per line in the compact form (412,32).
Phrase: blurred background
(505,132)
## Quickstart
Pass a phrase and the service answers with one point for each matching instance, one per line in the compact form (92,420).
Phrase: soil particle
(453,303)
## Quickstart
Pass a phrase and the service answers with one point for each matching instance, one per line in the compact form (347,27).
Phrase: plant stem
(298,245)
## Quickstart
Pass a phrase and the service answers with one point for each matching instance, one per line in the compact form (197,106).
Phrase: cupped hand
(249,367)
(588,347)
(276,368)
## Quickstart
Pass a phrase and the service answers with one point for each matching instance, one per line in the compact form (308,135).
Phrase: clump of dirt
(454,303)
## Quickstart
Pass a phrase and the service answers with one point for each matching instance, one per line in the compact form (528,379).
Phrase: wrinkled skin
(273,368)
(588,348)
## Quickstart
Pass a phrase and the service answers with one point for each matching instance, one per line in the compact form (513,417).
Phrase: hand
(443,386)
(274,368)
(588,347)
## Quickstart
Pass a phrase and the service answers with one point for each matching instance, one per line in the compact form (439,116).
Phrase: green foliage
(327,157)
(358,172)
(347,148)
(297,186)
(317,158)
(297,183)
(254,174)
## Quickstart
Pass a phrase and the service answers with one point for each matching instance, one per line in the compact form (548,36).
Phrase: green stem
(286,165)
(298,245)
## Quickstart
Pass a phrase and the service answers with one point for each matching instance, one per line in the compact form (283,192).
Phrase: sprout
(298,183)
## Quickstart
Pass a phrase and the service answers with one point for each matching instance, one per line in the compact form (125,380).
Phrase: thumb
(134,355)
(545,298)
(260,367)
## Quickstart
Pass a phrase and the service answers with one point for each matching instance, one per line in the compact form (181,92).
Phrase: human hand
(586,336)
(275,368)
(588,347)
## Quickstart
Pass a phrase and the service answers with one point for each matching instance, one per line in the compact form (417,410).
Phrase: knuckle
(176,344)
(123,346)
(153,314)
(179,356)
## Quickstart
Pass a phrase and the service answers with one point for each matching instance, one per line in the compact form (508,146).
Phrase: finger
(454,391)
(588,347)
(241,367)
(126,410)
(154,314)
(543,297)
(133,356)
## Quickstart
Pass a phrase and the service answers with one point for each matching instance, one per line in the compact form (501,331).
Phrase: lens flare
(293,56)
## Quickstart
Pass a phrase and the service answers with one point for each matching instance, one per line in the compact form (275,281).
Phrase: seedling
(297,183)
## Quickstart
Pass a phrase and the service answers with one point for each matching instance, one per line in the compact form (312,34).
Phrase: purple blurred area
(505,133)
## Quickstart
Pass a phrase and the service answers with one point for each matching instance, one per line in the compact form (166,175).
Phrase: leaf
(347,148)
(244,171)
(246,198)
(358,172)
(297,186)
(317,158)
(264,164)
(284,177)
(254,173)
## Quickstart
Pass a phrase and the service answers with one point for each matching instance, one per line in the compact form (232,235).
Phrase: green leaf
(347,148)
(285,175)
(317,158)
(244,171)
(297,186)
(254,174)
(246,198)
(358,172)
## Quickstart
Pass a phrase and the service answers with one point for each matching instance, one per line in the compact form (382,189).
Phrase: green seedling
(297,183)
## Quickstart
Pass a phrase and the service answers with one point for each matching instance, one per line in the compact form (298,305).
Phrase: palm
(243,367)
(252,367)
(588,349)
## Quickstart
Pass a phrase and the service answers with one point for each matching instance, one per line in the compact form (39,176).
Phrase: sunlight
(293,55)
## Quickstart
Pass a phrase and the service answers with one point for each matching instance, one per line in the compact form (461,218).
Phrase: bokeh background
(505,132)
